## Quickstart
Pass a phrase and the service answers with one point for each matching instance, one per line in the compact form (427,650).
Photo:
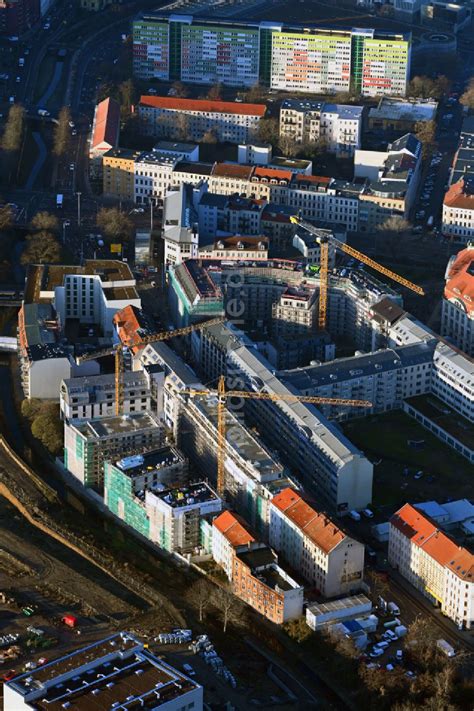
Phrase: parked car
(376,652)
(368,513)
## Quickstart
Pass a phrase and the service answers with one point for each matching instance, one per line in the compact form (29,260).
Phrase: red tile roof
(273,174)
(458,197)
(316,526)
(132,325)
(424,533)
(460,279)
(203,105)
(106,123)
(233,529)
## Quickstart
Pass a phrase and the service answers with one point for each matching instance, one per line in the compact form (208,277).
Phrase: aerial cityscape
(236,355)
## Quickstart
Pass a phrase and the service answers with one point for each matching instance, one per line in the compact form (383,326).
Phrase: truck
(59,200)
(393,609)
(400,631)
(445,647)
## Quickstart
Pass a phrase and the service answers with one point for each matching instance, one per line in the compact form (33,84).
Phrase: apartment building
(112,672)
(285,57)
(230,535)
(320,456)
(175,515)
(193,295)
(236,248)
(458,209)
(87,445)
(314,546)
(458,204)
(180,227)
(393,177)
(337,126)
(384,377)
(433,563)
(259,581)
(118,173)
(57,296)
(153,176)
(127,480)
(252,473)
(226,121)
(457,315)
(91,397)
(453,380)
(295,314)
(178,377)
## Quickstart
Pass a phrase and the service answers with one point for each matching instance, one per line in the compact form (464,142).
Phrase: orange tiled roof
(106,123)
(316,526)
(132,324)
(232,528)
(458,197)
(425,534)
(460,281)
(273,174)
(222,107)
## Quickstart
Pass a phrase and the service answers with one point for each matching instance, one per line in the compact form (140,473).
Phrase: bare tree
(45,221)
(114,224)
(62,132)
(395,224)
(467,99)
(425,131)
(6,217)
(199,596)
(13,133)
(215,92)
(229,606)
(288,146)
(180,89)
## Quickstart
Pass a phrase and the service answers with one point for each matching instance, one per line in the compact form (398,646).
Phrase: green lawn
(386,437)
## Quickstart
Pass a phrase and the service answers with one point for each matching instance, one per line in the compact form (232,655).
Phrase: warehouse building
(115,672)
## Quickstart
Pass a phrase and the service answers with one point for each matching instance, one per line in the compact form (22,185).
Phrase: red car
(9,675)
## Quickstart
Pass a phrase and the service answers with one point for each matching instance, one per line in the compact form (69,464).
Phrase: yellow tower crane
(223,395)
(118,349)
(324,240)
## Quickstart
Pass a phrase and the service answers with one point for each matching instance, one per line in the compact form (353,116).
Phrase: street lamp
(78,209)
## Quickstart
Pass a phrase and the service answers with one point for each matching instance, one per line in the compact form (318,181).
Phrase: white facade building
(313,545)
(91,397)
(338,126)
(230,535)
(457,317)
(433,563)
(170,117)
(175,515)
(458,210)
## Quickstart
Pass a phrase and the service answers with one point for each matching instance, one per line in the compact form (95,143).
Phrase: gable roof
(233,529)
(316,526)
(106,123)
(460,279)
(423,532)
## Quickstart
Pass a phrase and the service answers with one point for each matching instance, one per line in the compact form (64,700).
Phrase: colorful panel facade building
(308,62)
(285,57)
